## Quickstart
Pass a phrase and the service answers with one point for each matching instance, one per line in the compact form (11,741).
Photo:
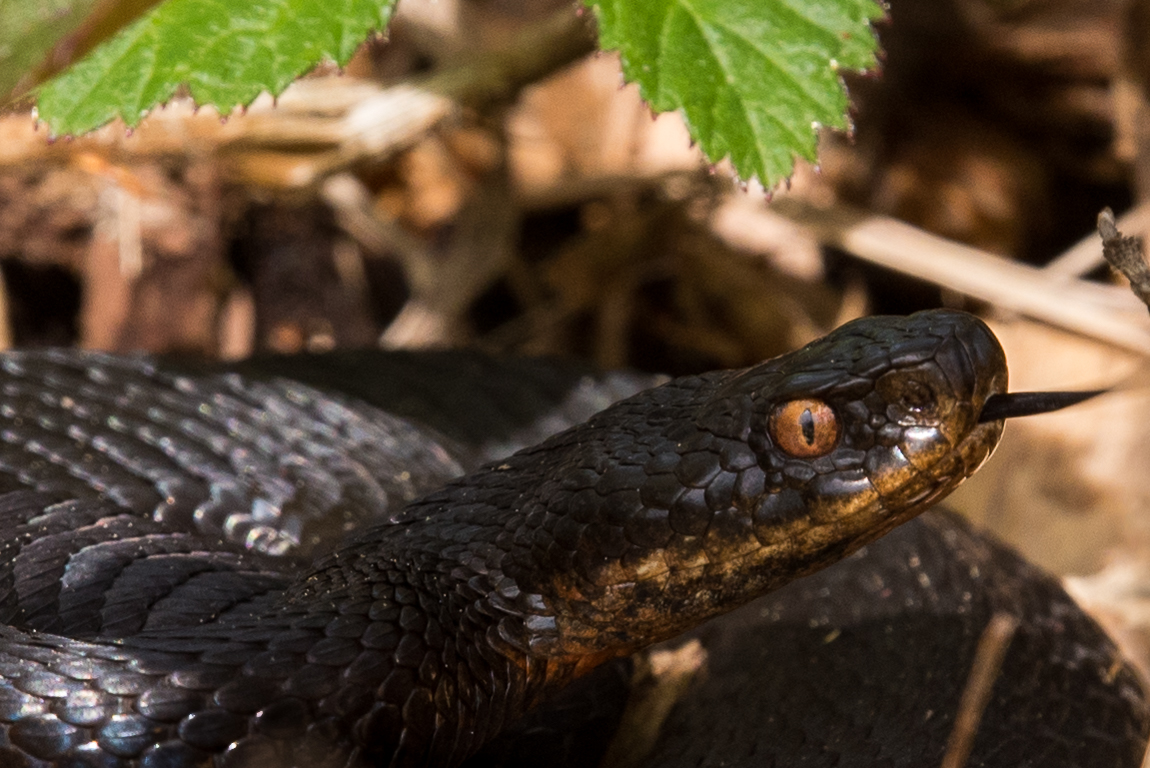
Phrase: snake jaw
(859,520)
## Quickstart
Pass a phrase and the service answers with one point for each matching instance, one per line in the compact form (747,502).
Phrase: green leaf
(754,78)
(29,30)
(225,51)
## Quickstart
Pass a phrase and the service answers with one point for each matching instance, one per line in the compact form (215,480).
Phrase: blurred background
(483,178)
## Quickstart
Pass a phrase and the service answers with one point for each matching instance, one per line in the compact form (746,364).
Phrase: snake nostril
(918,397)
(912,396)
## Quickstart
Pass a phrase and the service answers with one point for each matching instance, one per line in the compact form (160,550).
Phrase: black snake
(151,522)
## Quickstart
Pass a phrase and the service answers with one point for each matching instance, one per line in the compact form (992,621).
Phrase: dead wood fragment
(1125,255)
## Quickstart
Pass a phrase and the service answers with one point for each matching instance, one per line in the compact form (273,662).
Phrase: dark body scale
(135,502)
(89,551)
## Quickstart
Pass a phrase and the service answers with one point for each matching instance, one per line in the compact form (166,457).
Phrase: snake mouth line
(1009,405)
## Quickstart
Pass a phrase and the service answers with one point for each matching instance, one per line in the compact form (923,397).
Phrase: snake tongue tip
(1013,404)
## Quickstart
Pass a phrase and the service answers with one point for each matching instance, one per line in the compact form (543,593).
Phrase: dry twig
(988,658)
(1107,313)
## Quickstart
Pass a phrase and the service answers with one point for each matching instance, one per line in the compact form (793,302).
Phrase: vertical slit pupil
(807,425)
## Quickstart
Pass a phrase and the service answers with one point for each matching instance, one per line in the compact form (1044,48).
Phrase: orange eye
(805,429)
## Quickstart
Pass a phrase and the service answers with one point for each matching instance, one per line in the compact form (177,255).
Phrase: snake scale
(241,569)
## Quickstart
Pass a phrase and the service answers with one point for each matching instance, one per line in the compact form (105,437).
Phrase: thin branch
(356,214)
(992,647)
(393,119)
(1107,313)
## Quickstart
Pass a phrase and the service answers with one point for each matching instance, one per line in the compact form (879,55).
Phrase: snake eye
(805,428)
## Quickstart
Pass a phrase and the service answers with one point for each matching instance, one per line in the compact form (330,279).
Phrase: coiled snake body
(150,523)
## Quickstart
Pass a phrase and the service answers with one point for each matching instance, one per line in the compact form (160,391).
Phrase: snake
(259,566)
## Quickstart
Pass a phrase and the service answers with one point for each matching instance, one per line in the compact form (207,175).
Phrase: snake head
(862,429)
(692,498)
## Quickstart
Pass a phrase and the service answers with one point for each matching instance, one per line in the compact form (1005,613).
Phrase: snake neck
(473,573)
(655,511)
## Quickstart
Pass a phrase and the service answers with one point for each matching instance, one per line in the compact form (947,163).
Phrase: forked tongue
(1012,404)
